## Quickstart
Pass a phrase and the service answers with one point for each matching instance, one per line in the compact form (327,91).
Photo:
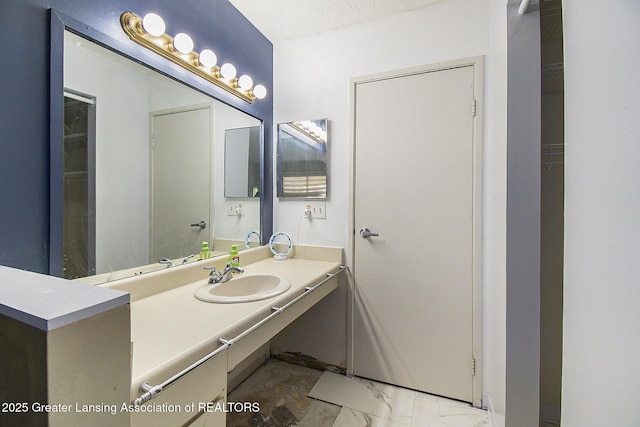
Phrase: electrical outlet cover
(318,209)
(235,209)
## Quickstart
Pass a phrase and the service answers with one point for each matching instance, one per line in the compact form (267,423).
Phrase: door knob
(365,232)
(202,225)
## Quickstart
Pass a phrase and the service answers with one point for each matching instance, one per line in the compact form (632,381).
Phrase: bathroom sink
(244,289)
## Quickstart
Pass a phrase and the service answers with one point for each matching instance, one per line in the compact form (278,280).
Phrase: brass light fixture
(150,33)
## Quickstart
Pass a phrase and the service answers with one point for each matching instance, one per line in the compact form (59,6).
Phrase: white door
(414,187)
(181,182)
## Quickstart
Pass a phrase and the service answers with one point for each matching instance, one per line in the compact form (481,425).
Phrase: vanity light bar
(179,50)
(311,130)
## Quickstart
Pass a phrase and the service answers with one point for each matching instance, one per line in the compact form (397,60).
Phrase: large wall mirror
(144,168)
(302,165)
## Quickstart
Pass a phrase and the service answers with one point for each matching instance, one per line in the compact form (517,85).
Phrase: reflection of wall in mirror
(232,227)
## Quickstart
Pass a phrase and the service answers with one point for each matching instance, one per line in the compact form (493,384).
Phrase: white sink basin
(244,289)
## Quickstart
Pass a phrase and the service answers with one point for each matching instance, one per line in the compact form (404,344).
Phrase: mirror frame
(58,24)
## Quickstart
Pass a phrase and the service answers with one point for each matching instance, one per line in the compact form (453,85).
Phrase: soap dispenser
(204,251)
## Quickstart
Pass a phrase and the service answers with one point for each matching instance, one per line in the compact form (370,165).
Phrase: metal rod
(148,392)
(248,331)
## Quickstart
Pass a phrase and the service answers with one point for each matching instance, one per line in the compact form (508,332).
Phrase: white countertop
(172,329)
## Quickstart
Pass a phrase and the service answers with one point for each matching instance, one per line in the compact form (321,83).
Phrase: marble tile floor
(369,403)
(292,395)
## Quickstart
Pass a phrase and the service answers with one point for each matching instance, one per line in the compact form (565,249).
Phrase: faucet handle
(214,275)
(166,261)
(185,259)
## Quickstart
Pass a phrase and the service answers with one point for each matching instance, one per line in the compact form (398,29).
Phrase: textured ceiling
(285,19)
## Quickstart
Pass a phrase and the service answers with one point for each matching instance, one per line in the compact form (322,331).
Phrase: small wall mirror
(302,165)
(242,162)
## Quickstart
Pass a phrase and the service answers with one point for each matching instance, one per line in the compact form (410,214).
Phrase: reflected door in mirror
(181,182)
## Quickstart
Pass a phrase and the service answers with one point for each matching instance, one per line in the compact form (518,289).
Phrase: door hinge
(473,366)
(153,143)
(473,108)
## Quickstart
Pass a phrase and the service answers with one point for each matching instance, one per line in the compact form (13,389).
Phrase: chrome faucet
(167,262)
(216,276)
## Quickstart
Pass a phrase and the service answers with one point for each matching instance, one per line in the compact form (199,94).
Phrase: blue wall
(24,95)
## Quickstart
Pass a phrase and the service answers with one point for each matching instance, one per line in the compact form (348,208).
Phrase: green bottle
(204,251)
(234,258)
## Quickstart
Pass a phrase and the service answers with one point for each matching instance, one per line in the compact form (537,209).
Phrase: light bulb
(245,82)
(260,91)
(183,43)
(207,58)
(228,71)
(153,24)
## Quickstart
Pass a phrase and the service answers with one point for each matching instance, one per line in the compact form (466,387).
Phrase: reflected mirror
(144,168)
(302,166)
(242,162)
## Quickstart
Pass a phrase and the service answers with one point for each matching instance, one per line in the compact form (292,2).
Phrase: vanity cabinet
(189,329)
(197,399)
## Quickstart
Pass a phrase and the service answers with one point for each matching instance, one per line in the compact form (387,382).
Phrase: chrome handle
(365,232)
(200,224)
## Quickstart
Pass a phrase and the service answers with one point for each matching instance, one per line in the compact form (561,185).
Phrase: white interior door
(414,187)
(181,182)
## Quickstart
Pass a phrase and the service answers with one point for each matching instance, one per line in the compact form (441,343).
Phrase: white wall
(495,214)
(523,218)
(601,373)
(311,80)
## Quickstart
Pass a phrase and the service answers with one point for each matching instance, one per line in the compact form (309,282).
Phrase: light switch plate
(235,209)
